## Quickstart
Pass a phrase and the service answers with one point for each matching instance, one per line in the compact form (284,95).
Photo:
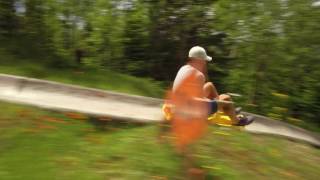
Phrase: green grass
(89,77)
(40,144)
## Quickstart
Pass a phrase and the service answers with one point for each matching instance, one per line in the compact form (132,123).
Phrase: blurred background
(268,51)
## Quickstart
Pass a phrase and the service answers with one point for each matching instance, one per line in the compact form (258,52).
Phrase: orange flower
(77,116)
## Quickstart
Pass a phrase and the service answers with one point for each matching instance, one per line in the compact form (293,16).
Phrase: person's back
(186,72)
(189,120)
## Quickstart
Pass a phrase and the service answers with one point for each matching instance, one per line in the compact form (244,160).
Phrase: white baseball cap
(200,53)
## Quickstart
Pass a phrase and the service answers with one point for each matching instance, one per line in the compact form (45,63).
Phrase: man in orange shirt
(195,99)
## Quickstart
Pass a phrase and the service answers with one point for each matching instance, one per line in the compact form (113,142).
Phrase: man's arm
(209,100)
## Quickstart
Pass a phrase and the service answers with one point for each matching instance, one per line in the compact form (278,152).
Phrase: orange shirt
(189,116)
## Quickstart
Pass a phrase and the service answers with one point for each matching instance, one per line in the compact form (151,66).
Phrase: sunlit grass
(39,144)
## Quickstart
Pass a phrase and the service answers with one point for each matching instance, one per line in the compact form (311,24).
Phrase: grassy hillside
(96,78)
(38,144)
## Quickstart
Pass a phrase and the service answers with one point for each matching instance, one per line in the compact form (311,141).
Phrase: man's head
(198,58)
(199,53)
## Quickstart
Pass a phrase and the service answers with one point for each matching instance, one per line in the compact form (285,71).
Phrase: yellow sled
(218,118)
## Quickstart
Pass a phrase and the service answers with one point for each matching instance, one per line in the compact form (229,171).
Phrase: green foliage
(276,47)
(8,20)
(137,40)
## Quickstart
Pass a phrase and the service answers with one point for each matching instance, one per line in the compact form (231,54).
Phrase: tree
(8,20)
(136,40)
(176,27)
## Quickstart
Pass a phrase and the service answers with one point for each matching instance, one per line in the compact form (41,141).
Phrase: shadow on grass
(107,124)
